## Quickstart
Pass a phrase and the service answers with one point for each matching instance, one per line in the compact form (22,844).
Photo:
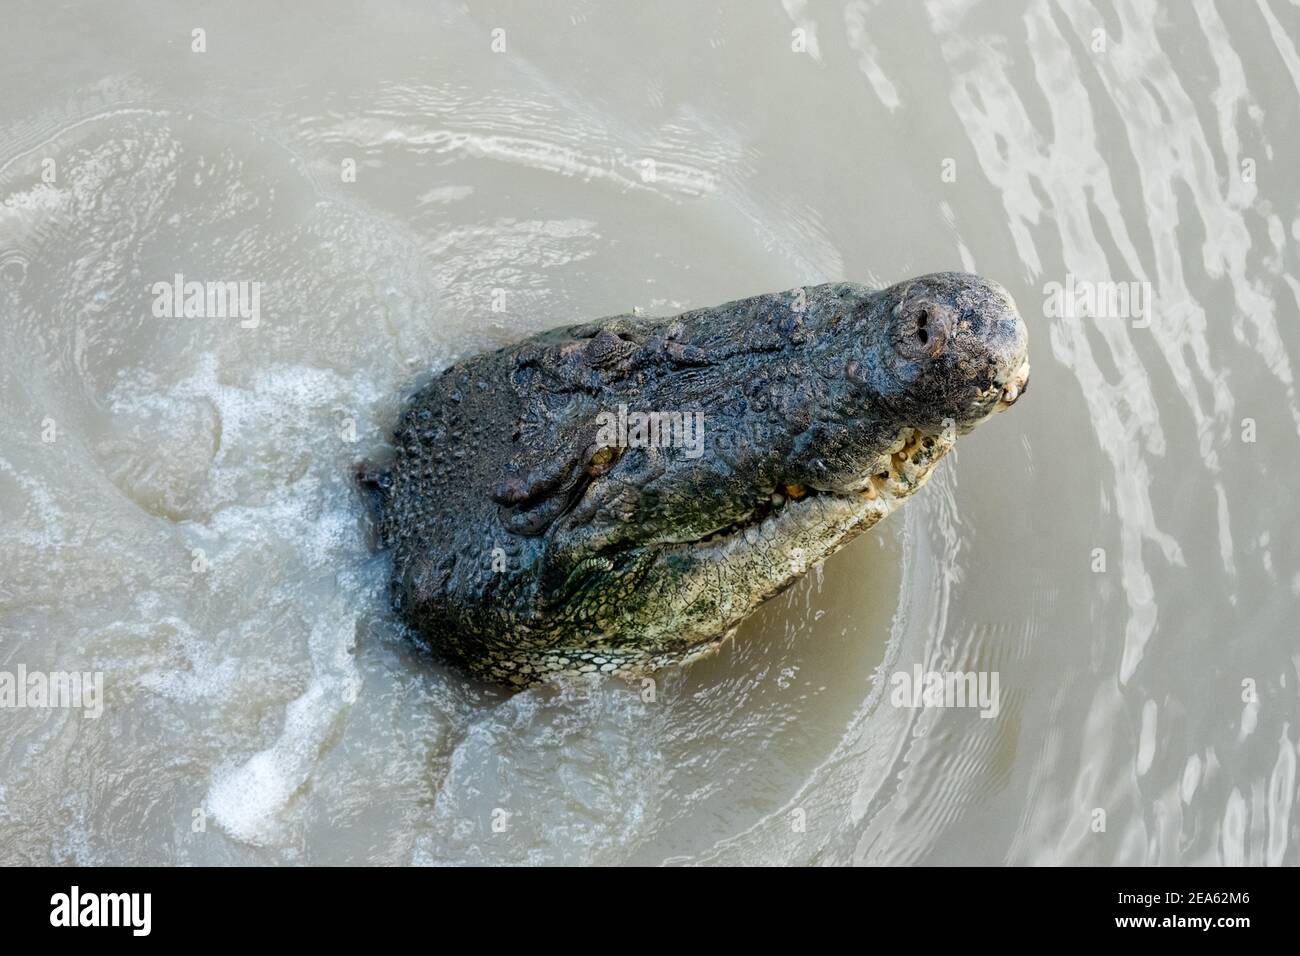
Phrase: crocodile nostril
(923,335)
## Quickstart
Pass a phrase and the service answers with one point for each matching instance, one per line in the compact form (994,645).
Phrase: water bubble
(13,268)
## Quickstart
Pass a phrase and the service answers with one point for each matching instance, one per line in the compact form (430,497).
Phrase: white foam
(247,800)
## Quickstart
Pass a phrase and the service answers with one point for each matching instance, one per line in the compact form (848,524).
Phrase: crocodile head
(664,477)
(783,455)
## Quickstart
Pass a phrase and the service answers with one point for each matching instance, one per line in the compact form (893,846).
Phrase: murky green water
(175,502)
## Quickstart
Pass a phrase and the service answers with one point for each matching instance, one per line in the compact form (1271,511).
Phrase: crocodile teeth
(897,446)
(1014,388)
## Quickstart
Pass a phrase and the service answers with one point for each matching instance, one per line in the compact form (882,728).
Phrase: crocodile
(617,496)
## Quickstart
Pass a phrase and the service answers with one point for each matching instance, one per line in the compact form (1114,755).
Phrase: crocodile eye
(602,459)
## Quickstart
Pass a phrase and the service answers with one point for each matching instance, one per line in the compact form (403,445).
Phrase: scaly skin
(527,542)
